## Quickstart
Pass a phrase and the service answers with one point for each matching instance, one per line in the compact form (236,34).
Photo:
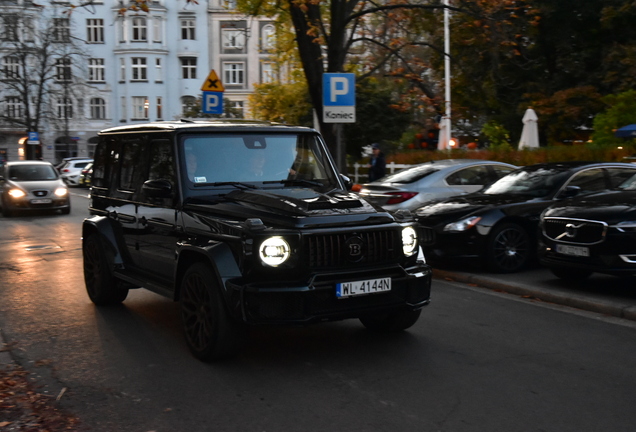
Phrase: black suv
(244,223)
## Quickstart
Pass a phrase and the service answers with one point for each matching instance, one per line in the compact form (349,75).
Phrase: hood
(453,208)
(294,206)
(29,186)
(610,207)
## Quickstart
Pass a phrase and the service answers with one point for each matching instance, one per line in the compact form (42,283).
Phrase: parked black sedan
(498,225)
(594,233)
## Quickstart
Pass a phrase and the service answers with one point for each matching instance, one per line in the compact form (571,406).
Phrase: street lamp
(445,126)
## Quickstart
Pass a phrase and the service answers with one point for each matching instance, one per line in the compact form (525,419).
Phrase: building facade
(125,68)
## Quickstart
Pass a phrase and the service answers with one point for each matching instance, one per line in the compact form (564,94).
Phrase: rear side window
(471,176)
(592,180)
(619,175)
(130,167)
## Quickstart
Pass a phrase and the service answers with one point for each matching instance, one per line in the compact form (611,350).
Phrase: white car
(71,170)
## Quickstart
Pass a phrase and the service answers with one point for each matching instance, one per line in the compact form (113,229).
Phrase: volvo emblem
(354,248)
(570,230)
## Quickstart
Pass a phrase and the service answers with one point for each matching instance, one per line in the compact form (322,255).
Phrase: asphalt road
(478,359)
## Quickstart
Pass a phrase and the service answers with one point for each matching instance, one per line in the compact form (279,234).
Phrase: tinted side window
(471,176)
(106,158)
(501,171)
(130,164)
(162,167)
(591,180)
(619,175)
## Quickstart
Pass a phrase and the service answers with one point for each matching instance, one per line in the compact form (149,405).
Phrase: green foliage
(378,119)
(621,112)
(284,103)
(497,136)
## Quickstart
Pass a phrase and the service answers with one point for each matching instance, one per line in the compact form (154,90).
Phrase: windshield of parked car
(270,160)
(31,173)
(410,175)
(532,182)
(629,184)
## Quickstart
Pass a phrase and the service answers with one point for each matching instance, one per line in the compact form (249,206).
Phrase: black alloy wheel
(102,287)
(391,322)
(210,332)
(509,248)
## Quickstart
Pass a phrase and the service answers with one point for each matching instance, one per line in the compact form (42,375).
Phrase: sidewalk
(603,294)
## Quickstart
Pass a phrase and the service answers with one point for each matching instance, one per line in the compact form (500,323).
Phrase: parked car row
(570,215)
(71,170)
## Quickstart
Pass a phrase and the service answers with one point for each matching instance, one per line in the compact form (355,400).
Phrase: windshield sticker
(200,180)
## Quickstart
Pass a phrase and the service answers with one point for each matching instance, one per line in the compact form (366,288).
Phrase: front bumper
(28,204)
(316,301)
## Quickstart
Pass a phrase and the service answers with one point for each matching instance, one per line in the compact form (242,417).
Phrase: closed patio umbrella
(530,132)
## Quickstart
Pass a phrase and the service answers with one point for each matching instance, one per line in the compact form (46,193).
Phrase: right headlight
(274,251)
(463,225)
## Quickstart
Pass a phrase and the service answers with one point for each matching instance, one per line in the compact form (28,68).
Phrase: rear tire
(570,274)
(391,322)
(102,287)
(211,334)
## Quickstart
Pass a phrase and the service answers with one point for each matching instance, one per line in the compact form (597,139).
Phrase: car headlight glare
(17,193)
(274,251)
(61,192)
(463,225)
(409,241)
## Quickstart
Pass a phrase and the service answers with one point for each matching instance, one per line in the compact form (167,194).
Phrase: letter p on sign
(339,98)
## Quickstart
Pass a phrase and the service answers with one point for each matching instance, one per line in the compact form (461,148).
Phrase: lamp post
(445,127)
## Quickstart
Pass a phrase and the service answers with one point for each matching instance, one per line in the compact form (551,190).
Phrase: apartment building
(127,68)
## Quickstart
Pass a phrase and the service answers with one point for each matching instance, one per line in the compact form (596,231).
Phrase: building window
(95,30)
(122,69)
(10,28)
(139,69)
(124,108)
(13,107)
(157,29)
(237,109)
(233,39)
(159,108)
(189,67)
(268,37)
(63,70)
(98,109)
(122,26)
(140,106)
(267,72)
(139,29)
(11,67)
(188,27)
(229,4)
(64,108)
(61,30)
(233,73)
(187,102)
(96,70)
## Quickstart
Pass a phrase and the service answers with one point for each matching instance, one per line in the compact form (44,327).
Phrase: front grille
(40,193)
(335,250)
(574,230)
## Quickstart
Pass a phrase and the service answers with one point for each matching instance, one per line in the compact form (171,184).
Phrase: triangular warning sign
(212,83)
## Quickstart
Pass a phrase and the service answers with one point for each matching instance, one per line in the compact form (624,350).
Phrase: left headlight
(462,225)
(274,251)
(17,193)
(61,192)
(409,241)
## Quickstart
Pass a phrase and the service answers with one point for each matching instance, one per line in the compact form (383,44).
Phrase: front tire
(509,248)
(211,334)
(102,287)
(391,322)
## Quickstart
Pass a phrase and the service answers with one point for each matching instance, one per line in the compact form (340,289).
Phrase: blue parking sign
(338,89)
(34,136)
(212,102)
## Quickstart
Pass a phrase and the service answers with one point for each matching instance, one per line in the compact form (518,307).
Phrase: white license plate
(41,201)
(581,251)
(371,286)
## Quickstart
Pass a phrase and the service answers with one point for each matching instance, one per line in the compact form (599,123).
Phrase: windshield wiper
(295,182)
(238,185)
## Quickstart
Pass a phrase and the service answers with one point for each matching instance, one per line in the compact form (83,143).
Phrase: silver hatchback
(413,187)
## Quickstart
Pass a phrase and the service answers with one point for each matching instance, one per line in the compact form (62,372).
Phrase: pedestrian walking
(377,164)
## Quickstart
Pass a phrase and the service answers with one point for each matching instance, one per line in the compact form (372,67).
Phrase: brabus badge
(355,248)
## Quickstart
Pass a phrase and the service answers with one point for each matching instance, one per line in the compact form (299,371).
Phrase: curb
(593,304)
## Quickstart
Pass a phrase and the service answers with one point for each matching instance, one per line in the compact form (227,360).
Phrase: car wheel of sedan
(570,274)
(101,286)
(391,322)
(509,248)
(210,332)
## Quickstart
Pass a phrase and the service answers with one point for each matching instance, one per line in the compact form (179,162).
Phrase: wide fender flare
(104,228)
(218,255)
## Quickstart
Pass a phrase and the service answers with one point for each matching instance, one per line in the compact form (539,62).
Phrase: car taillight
(398,197)
(66,170)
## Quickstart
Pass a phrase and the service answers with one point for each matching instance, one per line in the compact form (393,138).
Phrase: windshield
(32,172)
(533,181)
(261,159)
(410,175)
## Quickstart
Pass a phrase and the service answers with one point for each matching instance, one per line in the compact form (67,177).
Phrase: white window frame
(96,70)
(188,29)
(185,100)
(139,69)
(63,72)
(268,74)
(234,73)
(268,37)
(13,107)
(64,108)
(229,4)
(140,107)
(188,67)
(159,107)
(157,29)
(10,67)
(122,69)
(61,29)
(233,39)
(139,29)
(10,30)
(95,30)
(158,70)
(98,108)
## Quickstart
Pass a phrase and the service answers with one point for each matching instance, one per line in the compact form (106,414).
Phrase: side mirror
(159,188)
(347,181)
(570,191)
